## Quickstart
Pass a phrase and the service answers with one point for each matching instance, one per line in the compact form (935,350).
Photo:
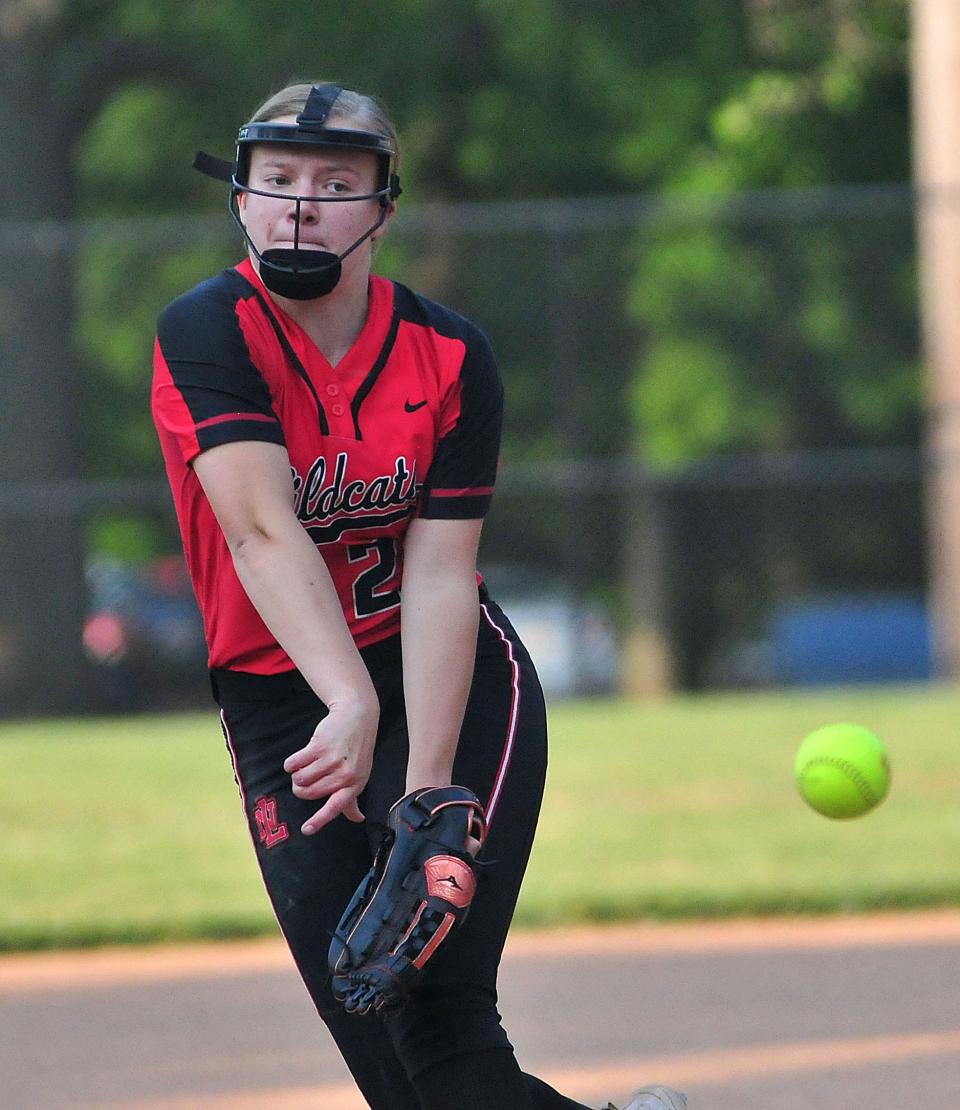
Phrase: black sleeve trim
(464,470)
(210,366)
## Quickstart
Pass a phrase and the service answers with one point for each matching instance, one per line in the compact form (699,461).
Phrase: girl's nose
(304,211)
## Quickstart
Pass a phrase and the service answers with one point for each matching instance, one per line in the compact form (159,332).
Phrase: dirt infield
(834,1013)
(103,966)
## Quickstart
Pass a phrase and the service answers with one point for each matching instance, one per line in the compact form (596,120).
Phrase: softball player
(331,442)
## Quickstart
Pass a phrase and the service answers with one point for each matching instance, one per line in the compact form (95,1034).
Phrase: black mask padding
(282,271)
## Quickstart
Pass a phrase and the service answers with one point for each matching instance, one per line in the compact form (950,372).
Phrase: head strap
(319,104)
(310,130)
(218,168)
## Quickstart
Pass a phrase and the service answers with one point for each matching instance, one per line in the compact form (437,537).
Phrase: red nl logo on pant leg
(271,831)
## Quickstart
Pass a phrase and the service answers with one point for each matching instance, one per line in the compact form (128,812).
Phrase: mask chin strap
(300,275)
(381,219)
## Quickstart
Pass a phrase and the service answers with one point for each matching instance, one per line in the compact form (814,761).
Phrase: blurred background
(708,240)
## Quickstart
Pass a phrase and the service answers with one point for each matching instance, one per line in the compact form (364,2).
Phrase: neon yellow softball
(842,770)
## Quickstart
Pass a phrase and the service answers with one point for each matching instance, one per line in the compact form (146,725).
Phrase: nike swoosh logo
(413,408)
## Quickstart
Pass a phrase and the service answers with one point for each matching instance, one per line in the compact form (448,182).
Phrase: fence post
(567,369)
(936,107)
(648,664)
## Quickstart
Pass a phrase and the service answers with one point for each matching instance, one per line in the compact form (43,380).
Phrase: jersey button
(333,390)
(337,410)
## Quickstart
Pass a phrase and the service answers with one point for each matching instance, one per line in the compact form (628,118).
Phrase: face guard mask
(297,273)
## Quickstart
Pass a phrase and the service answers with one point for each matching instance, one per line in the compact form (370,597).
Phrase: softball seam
(869,795)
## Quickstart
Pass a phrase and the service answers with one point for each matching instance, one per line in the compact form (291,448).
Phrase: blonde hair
(364,112)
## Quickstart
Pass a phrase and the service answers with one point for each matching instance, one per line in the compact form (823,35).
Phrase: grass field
(130,829)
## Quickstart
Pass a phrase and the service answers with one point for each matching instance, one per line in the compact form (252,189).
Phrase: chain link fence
(771,338)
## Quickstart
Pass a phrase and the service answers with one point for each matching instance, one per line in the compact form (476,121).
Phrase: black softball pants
(446,1049)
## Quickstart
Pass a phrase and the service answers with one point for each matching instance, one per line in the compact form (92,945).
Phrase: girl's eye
(278,180)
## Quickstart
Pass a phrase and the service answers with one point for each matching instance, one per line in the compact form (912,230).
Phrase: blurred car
(838,638)
(144,634)
(143,631)
(570,638)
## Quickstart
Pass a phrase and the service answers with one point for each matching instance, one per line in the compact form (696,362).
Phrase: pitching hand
(336,762)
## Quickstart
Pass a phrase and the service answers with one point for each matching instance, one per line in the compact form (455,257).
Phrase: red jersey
(406,424)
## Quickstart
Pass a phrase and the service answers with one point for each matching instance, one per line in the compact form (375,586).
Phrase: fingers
(352,812)
(318,770)
(326,776)
(322,777)
(343,801)
(319,757)
(336,751)
(334,765)
(298,760)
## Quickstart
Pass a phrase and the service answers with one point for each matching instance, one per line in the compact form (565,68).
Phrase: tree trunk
(41,534)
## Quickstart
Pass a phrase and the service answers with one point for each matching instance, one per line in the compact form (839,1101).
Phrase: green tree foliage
(763,332)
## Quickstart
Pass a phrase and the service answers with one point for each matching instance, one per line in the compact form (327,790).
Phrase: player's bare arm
(249,489)
(439,616)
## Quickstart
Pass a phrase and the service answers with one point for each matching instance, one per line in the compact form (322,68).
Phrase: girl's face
(323,172)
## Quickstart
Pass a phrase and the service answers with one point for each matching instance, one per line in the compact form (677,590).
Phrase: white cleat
(655,1098)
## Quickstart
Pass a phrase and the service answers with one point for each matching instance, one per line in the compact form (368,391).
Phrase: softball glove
(414,897)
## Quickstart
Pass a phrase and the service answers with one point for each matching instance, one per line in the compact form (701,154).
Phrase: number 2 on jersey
(369,593)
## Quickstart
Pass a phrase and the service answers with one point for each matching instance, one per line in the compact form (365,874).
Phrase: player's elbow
(246,543)
(251,527)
